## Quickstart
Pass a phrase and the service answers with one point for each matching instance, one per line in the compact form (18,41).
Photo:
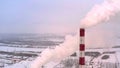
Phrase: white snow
(113,58)
(12,49)
(23,64)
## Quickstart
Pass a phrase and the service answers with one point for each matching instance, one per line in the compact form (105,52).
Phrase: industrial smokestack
(82,48)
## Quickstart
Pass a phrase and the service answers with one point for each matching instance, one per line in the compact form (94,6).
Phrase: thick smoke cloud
(101,13)
(69,46)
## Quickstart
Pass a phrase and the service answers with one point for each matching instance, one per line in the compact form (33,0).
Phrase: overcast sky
(43,16)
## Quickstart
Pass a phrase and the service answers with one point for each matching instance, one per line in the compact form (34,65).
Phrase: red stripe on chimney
(82,61)
(82,47)
(82,32)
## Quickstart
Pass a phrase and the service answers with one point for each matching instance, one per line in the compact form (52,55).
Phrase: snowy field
(107,59)
(23,48)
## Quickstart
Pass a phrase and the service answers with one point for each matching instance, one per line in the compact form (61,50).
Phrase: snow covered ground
(22,64)
(105,60)
(12,49)
(19,49)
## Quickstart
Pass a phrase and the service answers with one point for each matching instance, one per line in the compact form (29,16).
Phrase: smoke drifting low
(63,50)
(98,14)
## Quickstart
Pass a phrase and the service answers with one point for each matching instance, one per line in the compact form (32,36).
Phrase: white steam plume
(63,50)
(98,14)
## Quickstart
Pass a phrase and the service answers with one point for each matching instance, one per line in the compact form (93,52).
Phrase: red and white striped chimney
(82,48)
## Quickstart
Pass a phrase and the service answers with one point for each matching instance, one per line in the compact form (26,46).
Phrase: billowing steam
(63,50)
(98,14)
